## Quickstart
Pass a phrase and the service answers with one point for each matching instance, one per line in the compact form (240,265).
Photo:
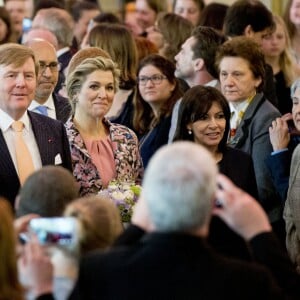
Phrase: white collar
(6,120)
(49,104)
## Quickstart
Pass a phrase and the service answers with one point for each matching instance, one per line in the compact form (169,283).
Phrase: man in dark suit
(45,139)
(173,260)
(54,105)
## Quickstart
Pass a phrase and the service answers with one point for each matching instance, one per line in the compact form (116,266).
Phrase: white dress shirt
(49,104)
(28,136)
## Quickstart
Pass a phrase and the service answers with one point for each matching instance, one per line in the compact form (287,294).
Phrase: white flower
(129,194)
(117,195)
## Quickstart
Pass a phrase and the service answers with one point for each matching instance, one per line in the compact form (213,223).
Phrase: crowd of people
(197,102)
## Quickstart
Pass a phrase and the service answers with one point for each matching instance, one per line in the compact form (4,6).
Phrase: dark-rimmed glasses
(155,79)
(53,66)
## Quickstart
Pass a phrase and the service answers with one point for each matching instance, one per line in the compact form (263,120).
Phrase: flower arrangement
(124,195)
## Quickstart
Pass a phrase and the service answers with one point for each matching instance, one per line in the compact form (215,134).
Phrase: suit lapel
(6,163)
(243,128)
(43,138)
(62,108)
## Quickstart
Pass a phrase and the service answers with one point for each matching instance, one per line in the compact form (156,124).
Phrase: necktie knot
(17,126)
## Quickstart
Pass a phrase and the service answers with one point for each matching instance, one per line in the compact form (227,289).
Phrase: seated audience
(101,151)
(178,197)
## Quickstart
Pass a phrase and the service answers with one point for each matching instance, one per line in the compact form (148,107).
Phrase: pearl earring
(190,131)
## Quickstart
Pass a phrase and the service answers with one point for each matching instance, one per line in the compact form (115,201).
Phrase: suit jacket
(252,136)
(62,107)
(181,266)
(64,60)
(279,166)
(51,139)
(238,166)
(292,209)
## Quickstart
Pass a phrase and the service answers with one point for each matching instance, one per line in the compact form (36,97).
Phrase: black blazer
(51,139)
(238,166)
(180,266)
(62,106)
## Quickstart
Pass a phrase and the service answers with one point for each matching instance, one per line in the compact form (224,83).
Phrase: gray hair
(295,86)
(178,187)
(58,21)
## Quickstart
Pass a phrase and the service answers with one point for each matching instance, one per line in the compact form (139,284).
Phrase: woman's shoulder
(121,130)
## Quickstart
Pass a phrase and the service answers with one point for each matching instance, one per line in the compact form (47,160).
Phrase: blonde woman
(277,51)
(100,150)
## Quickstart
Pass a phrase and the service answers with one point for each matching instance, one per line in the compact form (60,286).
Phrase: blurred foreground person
(173,260)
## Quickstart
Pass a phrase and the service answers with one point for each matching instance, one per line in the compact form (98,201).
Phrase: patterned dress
(128,163)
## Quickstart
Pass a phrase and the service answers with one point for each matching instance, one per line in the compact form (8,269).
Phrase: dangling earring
(190,131)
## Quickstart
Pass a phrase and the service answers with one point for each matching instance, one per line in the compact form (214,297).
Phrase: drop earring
(190,131)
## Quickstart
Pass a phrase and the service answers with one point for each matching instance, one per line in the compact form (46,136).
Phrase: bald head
(48,72)
(40,33)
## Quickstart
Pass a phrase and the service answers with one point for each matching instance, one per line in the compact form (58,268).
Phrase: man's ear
(199,64)
(248,31)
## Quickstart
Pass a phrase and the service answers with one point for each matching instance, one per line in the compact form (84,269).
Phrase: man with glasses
(45,101)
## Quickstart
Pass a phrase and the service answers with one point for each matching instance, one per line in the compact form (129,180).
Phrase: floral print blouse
(127,158)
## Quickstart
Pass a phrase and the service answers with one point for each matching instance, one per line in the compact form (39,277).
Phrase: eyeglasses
(54,66)
(155,79)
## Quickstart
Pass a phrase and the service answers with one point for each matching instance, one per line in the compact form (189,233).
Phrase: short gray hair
(178,187)
(295,86)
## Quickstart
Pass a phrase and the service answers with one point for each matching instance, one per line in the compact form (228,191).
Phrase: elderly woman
(241,66)
(100,151)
